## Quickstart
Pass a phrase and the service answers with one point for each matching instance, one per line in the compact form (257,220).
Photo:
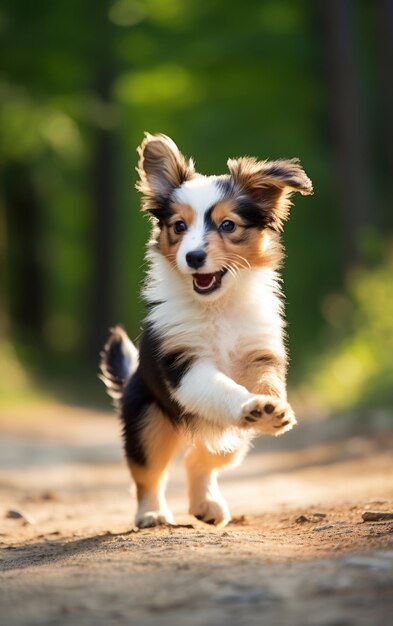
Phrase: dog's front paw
(214,512)
(268,415)
(150,519)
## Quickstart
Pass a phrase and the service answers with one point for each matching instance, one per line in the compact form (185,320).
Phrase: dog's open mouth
(207,283)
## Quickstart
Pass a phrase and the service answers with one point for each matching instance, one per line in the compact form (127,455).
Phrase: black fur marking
(114,362)
(252,215)
(147,386)
(153,304)
(225,185)
(134,405)
(287,172)
(210,224)
(175,366)
(277,170)
(155,378)
(162,209)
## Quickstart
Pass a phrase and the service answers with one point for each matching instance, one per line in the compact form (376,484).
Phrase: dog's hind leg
(150,442)
(206,500)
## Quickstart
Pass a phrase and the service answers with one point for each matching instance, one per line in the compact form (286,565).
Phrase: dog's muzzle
(207,283)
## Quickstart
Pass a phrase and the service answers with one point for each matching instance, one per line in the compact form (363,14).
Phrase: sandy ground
(297,553)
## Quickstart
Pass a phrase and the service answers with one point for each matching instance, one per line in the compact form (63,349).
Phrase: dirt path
(301,556)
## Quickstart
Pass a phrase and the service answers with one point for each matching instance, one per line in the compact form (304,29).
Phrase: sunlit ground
(298,547)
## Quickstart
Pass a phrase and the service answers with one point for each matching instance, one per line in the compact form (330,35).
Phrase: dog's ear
(161,168)
(270,184)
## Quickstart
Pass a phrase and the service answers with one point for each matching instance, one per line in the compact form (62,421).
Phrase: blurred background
(81,82)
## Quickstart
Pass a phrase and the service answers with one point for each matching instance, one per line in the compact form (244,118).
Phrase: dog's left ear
(161,168)
(270,185)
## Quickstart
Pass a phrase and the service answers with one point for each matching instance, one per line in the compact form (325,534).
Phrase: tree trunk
(24,276)
(105,224)
(385,19)
(348,124)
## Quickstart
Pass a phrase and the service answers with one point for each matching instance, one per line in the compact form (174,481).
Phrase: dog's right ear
(161,169)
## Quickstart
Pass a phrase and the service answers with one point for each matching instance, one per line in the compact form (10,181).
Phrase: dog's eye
(179,227)
(227,226)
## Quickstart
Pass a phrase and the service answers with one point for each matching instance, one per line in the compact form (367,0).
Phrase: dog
(211,366)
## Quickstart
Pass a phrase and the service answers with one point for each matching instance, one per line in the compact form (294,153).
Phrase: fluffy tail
(119,360)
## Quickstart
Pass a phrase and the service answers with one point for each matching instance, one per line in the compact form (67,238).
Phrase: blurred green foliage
(355,370)
(81,82)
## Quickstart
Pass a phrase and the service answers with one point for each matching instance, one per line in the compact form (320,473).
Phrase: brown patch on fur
(168,240)
(183,212)
(161,168)
(263,372)
(160,441)
(245,248)
(225,210)
(168,243)
(270,185)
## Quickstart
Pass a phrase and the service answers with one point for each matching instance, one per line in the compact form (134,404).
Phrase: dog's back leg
(206,500)
(150,442)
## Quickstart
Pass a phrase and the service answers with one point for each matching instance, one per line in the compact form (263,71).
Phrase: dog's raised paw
(268,415)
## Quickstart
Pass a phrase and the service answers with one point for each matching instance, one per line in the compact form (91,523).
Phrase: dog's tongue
(204,280)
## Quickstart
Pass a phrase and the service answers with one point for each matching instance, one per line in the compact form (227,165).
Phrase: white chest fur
(247,318)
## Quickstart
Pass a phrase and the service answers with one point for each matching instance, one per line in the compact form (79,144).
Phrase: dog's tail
(118,361)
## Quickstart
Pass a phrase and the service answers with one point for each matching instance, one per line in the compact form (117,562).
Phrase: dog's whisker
(234,258)
(235,265)
(232,270)
(242,258)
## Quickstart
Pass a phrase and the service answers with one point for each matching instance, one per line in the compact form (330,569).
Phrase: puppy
(211,365)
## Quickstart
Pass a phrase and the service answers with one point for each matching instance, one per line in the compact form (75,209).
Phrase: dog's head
(210,227)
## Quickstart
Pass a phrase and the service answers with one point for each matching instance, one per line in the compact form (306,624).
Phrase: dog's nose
(196,258)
